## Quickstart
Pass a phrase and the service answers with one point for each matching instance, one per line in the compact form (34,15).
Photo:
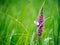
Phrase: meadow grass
(17,22)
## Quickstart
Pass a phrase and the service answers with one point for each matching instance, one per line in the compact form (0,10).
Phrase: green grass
(17,22)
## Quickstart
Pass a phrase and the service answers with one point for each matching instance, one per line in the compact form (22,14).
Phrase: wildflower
(41,24)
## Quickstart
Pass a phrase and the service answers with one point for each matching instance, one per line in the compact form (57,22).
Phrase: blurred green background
(17,22)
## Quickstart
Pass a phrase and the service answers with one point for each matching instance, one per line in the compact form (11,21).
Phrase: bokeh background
(17,22)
